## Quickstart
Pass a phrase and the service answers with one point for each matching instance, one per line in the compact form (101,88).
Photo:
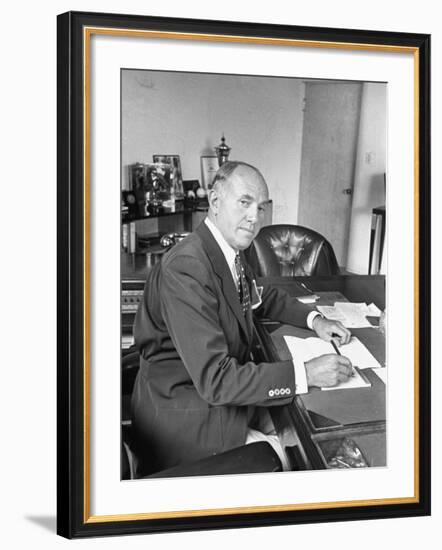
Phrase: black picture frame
(73,262)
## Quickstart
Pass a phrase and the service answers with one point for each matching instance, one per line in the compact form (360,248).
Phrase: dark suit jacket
(197,387)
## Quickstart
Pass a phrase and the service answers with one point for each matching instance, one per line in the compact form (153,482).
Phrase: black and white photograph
(254,329)
(248,228)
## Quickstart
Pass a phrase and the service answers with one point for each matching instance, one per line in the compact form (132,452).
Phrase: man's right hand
(328,370)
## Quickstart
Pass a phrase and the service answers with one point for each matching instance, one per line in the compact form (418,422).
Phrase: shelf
(180,208)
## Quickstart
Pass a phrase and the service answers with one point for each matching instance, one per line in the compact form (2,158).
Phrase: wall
(262,119)
(186,114)
(368,190)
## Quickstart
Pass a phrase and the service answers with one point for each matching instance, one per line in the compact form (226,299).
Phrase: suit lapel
(222,271)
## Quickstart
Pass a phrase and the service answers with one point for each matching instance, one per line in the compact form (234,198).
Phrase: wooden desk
(312,427)
(356,288)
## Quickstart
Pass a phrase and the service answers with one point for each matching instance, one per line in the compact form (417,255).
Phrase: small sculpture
(222,151)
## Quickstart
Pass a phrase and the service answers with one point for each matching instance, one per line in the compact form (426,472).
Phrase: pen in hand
(335,347)
(305,287)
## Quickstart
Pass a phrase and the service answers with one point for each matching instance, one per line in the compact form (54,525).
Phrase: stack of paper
(351,315)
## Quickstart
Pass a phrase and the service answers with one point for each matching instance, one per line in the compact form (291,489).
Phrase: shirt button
(288,391)
(271,393)
(276,392)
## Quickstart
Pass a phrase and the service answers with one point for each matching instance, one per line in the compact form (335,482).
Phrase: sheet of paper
(373,310)
(308,348)
(330,312)
(309,299)
(359,354)
(351,315)
(305,349)
(354,314)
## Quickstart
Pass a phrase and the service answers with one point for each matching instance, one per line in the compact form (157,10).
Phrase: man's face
(240,208)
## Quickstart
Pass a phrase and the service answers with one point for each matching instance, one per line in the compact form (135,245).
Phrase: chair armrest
(254,458)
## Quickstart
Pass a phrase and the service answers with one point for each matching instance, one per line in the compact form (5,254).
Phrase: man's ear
(213,200)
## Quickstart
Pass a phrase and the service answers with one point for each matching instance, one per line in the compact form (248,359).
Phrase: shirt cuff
(300,376)
(310,317)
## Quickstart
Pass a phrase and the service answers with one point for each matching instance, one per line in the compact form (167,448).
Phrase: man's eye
(262,208)
(244,202)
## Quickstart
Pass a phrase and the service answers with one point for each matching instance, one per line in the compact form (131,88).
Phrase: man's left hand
(331,330)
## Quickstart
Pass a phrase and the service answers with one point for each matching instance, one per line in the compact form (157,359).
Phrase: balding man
(198,390)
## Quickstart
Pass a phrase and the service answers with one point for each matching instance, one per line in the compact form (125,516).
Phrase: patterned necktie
(243,288)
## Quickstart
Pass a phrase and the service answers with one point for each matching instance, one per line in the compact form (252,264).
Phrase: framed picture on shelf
(94,51)
(176,174)
(209,167)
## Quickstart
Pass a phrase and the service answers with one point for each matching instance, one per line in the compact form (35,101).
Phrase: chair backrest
(291,250)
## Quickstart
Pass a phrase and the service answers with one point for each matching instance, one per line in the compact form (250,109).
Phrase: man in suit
(198,388)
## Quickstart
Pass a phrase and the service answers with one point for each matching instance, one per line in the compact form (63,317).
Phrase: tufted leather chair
(291,250)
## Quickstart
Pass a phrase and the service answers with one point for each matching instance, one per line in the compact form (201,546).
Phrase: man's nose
(252,214)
